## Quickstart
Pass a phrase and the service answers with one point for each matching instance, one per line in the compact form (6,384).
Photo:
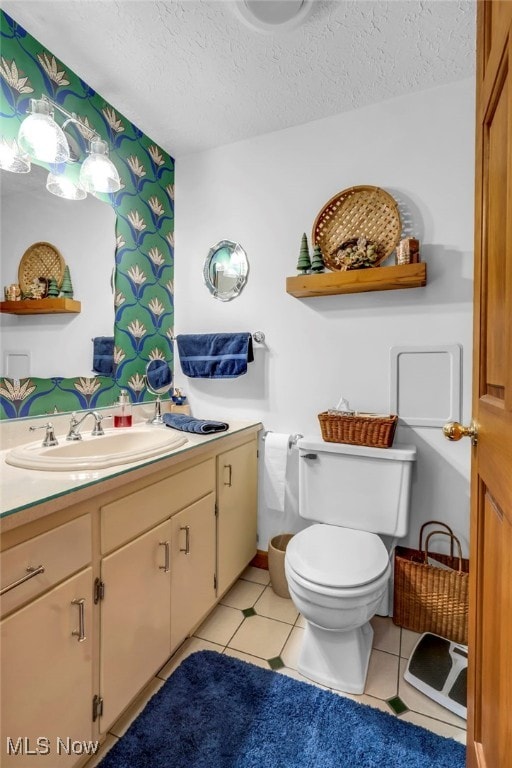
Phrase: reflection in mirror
(159,382)
(225,270)
(84,233)
(158,377)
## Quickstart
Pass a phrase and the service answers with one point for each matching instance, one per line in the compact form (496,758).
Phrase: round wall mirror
(225,270)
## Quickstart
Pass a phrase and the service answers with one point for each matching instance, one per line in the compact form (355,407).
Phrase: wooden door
(490,622)
(135,618)
(192,567)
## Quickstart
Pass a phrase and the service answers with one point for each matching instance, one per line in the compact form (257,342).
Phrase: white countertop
(24,488)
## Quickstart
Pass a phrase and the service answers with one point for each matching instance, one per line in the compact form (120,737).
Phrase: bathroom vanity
(114,571)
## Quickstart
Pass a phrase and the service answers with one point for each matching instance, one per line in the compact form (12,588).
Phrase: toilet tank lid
(399,452)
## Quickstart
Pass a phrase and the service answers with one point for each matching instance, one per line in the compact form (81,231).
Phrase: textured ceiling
(191,75)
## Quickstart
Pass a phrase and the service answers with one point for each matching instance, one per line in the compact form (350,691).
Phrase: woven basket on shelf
(357,211)
(428,598)
(368,429)
(40,260)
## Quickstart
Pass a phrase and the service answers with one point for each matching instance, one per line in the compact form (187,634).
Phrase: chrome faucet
(49,438)
(75,423)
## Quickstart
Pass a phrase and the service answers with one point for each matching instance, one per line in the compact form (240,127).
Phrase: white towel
(274,482)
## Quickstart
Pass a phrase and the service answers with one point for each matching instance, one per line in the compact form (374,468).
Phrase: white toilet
(338,570)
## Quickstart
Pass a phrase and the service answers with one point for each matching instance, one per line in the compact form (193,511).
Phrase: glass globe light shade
(40,136)
(98,173)
(60,185)
(11,159)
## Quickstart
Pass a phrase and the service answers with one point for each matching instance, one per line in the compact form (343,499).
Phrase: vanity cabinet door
(237,512)
(47,683)
(192,567)
(135,618)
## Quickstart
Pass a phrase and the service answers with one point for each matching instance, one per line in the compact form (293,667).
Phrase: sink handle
(49,438)
(97,430)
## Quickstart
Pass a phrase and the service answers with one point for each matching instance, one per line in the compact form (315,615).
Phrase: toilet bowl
(337,578)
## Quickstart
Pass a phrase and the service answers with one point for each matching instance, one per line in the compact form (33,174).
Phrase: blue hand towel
(189,424)
(103,355)
(215,355)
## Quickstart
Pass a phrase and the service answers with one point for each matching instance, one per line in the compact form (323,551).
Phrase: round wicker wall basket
(40,260)
(355,212)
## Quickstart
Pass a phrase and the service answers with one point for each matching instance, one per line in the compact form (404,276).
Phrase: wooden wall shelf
(41,307)
(358,280)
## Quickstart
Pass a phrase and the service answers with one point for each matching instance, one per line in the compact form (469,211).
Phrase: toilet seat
(337,558)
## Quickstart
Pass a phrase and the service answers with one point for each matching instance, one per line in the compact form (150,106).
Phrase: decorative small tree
(53,288)
(317,262)
(66,289)
(304,262)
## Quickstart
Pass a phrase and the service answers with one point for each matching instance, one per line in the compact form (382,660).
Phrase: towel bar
(257,336)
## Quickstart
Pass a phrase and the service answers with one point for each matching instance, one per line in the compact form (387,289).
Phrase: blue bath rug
(218,712)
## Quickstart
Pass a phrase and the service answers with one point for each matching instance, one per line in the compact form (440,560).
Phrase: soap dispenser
(123,411)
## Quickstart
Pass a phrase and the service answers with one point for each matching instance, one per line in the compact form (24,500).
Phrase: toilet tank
(368,489)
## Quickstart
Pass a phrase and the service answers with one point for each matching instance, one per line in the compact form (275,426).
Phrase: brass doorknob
(454,431)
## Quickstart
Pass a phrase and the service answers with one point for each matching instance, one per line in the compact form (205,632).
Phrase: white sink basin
(116,446)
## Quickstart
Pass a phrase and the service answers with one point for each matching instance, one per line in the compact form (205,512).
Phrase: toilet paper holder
(291,442)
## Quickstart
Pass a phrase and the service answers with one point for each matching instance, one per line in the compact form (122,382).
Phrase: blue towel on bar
(189,424)
(215,355)
(103,355)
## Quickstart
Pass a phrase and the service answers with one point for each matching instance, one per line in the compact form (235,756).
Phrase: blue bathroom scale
(438,668)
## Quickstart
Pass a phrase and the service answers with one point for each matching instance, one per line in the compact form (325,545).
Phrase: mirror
(159,382)
(225,270)
(84,233)
(158,377)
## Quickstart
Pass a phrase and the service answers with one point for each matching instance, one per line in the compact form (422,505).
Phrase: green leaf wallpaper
(144,206)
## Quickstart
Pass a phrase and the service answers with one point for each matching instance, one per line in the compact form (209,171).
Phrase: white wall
(84,233)
(264,193)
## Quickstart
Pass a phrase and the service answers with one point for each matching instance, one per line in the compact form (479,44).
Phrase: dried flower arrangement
(358,253)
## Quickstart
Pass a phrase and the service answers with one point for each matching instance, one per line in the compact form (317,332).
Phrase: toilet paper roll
(274,478)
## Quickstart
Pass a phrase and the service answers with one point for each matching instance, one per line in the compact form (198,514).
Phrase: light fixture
(273,15)
(43,139)
(62,186)
(98,173)
(40,136)
(12,159)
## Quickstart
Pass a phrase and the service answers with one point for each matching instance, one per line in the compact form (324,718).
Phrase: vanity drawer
(61,552)
(126,518)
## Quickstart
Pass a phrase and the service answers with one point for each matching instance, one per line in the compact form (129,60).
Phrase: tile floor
(252,623)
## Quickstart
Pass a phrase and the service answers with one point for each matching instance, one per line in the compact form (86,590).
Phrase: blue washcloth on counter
(103,355)
(189,424)
(215,355)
